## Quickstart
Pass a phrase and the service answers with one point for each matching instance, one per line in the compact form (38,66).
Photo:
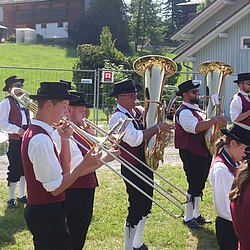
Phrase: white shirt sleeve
(4,118)
(235,107)
(47,168)
(133,136)
(188,121)
(221,180)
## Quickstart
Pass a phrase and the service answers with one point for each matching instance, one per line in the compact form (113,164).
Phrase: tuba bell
(154,69)
(214,72)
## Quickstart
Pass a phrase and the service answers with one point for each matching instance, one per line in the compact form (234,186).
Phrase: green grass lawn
(106,231)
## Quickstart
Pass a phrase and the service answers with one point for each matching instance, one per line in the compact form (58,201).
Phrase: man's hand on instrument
(64,130)
(21,132)
(107,157)
(220,119)
(165,127)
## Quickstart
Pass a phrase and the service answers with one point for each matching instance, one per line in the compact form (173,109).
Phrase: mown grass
(106,231)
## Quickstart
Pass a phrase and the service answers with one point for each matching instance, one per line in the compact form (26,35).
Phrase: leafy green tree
(145,23)
(101,13)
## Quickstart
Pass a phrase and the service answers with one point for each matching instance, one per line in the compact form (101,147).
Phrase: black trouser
(15,168)
(226,238)
(48,226)
(79,209)
(139,204)
(197,170)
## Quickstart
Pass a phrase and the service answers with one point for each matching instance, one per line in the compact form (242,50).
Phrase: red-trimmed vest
(89,180)
(220,158)
(37,195)
(194,143)
(136,151)
(245,107)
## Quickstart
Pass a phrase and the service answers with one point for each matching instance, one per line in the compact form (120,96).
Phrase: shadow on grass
(206,239)
(11,223)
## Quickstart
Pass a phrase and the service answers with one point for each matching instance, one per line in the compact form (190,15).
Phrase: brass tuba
(215,72)
(154,69)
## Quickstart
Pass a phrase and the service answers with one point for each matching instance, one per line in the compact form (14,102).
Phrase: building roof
(192,2)
(5,2)
(213,33)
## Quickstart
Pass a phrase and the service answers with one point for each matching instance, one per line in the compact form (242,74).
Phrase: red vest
(37,195)
(15,117)
(136,151)
(89,180)
(245,108)
(194,143)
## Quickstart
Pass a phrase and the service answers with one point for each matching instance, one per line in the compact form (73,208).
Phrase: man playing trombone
(43,168)
(135,135)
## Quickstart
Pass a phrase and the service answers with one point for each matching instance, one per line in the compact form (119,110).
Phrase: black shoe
(192,224)
(142,247)
(201,220)
(11,203)
(22,200)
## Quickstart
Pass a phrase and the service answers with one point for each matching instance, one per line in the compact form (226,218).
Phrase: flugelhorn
(23,97)
(154,69)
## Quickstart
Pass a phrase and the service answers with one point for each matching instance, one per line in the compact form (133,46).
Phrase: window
(245,42)
(60,25)
(43,26)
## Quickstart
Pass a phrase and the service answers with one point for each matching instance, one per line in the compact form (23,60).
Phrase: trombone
(22,97)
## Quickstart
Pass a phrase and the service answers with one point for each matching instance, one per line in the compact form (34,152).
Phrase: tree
(102,13)
(146,26)
(203,5)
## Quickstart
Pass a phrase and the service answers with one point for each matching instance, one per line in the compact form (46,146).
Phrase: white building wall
(1,14)
(52,30)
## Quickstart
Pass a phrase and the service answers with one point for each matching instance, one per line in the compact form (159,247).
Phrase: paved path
(170,157)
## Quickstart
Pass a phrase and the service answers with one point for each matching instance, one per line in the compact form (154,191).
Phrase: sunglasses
(195,91)
(130,95)
(18,85)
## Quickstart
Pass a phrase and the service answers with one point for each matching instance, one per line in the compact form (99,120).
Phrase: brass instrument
(23,98)
(215,72)
(154,69)
(4,143)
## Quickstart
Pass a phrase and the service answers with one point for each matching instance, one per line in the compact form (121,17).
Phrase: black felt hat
(67,82)
(125,86)
(239,132)
(81,101)
(54,90)
(185,86)
(243,77)
(10,81)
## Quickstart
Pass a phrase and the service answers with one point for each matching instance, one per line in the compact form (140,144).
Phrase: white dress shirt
(132,136)
(47,168)
(76,154)
(236,105)
(4,117)
(186,118)
(221,179)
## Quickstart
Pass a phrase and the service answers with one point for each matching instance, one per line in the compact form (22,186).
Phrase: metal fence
(90,82)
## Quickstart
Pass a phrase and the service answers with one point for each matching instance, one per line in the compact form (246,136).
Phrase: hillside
(35,56)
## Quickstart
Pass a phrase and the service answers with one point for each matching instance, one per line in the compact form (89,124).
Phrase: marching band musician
(80,195)
(135,135)
(43,168)
(14,119)
(240,104)
(189,137)
(222,173)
